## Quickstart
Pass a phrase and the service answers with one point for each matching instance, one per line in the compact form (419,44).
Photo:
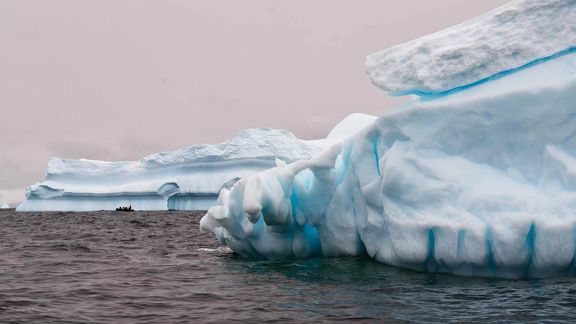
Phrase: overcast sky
(120,79)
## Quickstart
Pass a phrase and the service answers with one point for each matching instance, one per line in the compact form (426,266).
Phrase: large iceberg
(475,177)
(187,179)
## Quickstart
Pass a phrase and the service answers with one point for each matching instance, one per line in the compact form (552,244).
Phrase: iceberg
(186,179)
(475,176)
(4,205)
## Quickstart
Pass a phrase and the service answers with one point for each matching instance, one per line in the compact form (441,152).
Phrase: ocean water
(156,267)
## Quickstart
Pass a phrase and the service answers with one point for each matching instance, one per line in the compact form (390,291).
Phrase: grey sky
(120,79)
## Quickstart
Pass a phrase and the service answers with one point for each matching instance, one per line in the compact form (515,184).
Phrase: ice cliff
(185,179)
(476,177)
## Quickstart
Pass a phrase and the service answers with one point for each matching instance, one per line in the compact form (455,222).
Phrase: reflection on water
(150,267)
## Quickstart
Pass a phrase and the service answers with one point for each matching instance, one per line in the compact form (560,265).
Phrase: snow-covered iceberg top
(514,36)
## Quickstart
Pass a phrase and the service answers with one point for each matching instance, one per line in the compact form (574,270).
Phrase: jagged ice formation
(479,179)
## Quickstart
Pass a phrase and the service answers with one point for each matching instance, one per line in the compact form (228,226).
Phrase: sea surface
(156,267)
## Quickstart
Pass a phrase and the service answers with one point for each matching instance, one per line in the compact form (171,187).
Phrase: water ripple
(152,267)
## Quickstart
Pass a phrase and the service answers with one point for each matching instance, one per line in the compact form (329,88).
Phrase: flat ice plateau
(478,180)
(186,179)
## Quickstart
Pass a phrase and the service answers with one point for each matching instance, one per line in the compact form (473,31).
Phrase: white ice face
(481,182)
(499,42)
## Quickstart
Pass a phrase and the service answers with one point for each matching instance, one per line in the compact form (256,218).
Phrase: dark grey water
(155,267)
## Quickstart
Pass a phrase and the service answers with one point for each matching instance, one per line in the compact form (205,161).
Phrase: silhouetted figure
(125,209)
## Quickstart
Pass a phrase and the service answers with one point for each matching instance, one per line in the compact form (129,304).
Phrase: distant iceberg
(4,205)
(187,179)
(475,177)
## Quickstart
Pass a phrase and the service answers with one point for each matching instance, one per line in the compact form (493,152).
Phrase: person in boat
(123,208)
